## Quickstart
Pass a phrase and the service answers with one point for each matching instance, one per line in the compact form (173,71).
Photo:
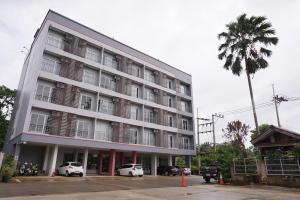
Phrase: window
(55,39)
(103,131)
(170,141)
(110,61)
(170,102)
(133,136)
(83,128)
(44,93)
(92,54)
(89,76)
(148,137)
(149,95)
(135,91)
(134,112)
(86,102)
(185,142)
(182,89)
(185,124)
(134,70)
(106,106)
(51,64)
(183,106)
(169,83)
(170,120)
(148,115)
(38,122)
(149,76)
(108,82)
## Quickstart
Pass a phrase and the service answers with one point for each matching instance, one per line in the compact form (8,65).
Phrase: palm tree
(246,41)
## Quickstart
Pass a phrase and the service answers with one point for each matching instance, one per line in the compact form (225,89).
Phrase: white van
(131,170)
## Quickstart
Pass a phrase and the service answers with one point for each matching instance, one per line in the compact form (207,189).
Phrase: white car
(131,170)
(186,171)
(71,168)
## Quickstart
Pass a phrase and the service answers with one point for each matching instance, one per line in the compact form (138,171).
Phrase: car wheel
(67,173)
(81,174)
(140,175)
(130,174)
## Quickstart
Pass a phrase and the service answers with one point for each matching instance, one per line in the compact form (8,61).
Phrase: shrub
(8,168)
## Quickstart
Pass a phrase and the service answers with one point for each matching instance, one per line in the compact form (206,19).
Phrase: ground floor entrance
(94,161)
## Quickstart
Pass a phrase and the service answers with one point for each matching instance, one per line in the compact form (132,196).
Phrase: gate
(245,166)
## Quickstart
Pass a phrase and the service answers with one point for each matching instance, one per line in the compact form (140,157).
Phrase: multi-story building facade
(86,97)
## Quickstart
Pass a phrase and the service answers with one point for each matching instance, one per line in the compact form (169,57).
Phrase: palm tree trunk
(252,101)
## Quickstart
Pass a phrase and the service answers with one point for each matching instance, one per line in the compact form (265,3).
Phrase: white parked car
(131,170)
(186,171)
(71,168)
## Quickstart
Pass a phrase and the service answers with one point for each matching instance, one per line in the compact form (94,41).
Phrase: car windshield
(76,164)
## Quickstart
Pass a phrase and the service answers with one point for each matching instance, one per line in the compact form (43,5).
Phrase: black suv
(168,170)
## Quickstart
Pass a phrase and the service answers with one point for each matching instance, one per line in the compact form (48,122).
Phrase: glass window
(83,128)
(170,101)
(44,93)
(38,122)
(51,64)
(170,120)
(86,102)
(89,76)
(108,82)
(134,70)
(55,39)
(105,105)
(134,112)
(110,60)
(92,54)
(135,91)
(182,89)
(185,124)
(148,137)
(185,142)
(133,136)
(170,141)
(149,95)
(149,76)
(148,115)
(103,131)
(183,106)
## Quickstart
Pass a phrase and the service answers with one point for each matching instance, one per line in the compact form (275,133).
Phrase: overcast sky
(182,33)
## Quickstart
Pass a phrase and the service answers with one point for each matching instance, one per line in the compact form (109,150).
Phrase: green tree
(245,41)
(7,98)
(262,128)
(180,161)
(236,132)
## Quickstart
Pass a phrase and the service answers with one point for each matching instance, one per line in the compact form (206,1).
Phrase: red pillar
(134,157)
(112,162)
(122,159)
(100,159)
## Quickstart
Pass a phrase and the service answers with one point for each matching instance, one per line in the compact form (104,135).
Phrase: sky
(182,33)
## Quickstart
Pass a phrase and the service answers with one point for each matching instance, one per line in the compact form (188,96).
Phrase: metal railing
(245,166)
(283,166)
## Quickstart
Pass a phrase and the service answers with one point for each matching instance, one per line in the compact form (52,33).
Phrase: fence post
(266,166)
(282,172)
(245,165)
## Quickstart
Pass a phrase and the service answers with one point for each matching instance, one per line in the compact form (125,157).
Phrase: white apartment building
(86,97)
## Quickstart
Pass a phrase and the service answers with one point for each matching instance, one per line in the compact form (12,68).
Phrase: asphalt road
(66,185)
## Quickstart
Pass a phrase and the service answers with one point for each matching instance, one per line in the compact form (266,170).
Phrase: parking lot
(148,187)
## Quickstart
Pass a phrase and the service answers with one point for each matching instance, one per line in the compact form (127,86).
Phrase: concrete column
(154,163)
(46,158)
(134,157)
(53,160)
(85,159)
(112,162)
(122,159)
(76,155)
(100,164)
(17,152)
(170,163)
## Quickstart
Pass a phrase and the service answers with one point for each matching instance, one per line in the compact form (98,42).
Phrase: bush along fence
(283,171)
(8,168)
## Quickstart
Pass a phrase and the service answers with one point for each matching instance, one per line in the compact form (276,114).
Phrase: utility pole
(275,98)
(213,127)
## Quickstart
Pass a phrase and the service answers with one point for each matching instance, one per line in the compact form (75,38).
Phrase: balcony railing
(50,99)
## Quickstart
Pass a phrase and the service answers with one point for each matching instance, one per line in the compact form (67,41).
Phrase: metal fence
(283,166)
(245,166)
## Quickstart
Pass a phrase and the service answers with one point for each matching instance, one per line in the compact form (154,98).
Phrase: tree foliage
(180,161)
(236,132)
(262,128)
(247,40)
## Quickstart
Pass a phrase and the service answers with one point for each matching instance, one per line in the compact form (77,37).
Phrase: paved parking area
(147,188)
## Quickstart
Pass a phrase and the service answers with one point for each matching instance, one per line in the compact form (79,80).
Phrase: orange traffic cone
(221,180)
(182,181)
